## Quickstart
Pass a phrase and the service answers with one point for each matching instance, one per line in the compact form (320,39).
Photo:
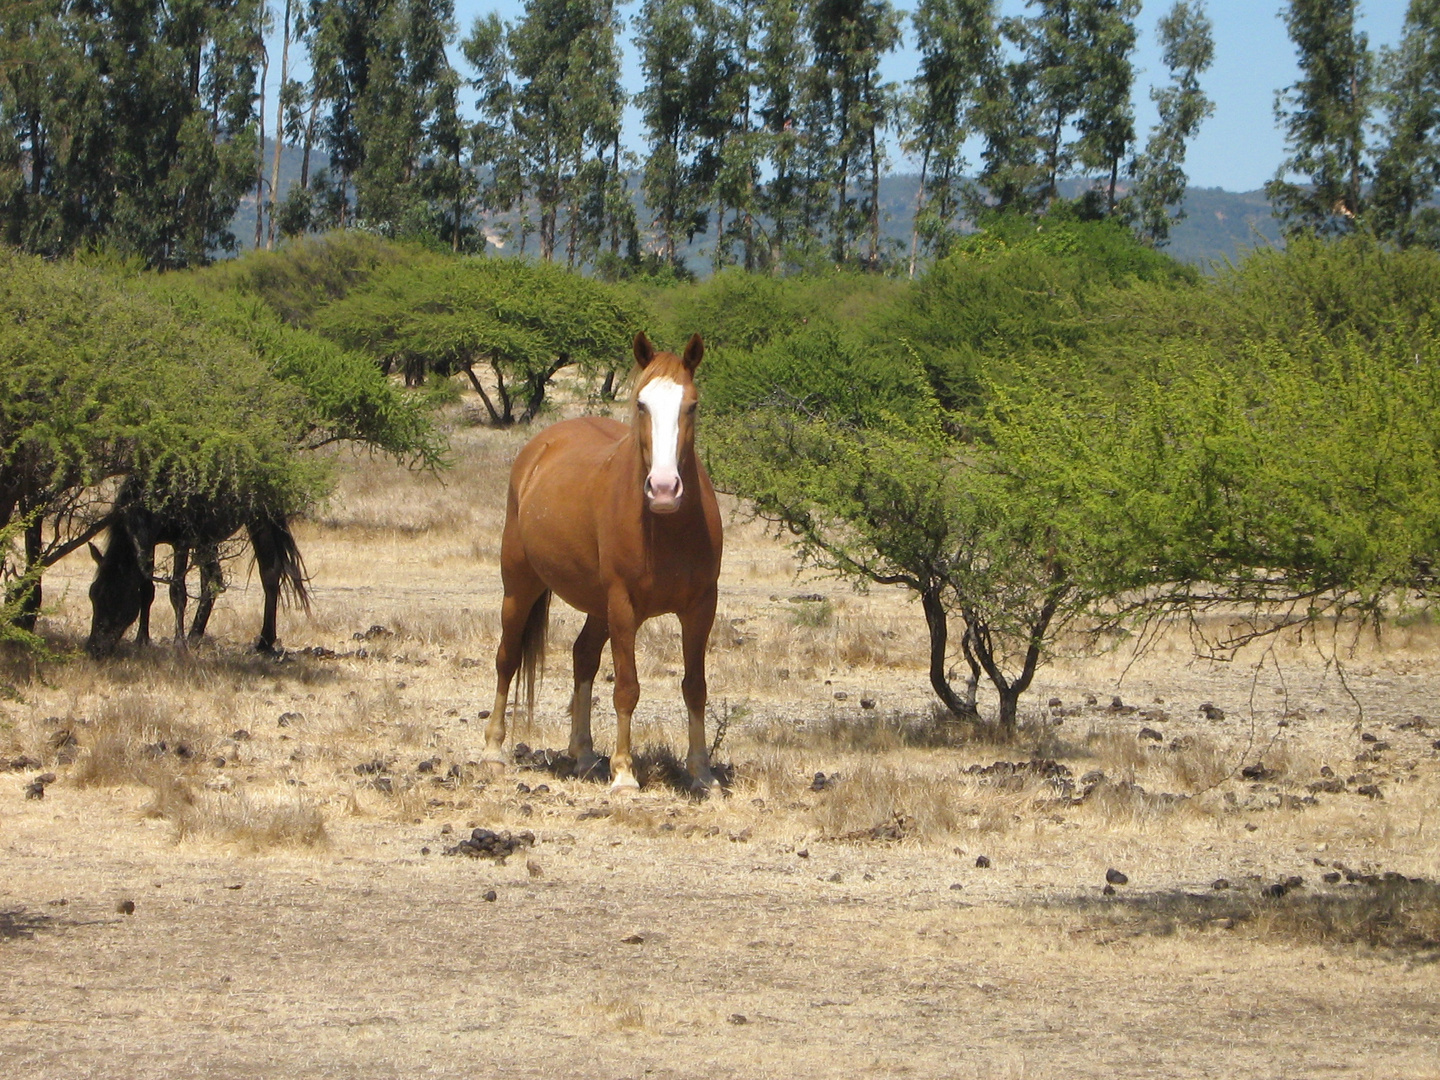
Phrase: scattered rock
(23,762)
(374,633)
(1257,771)
(803,853)
(1220,883)
(1212,711)
(841,695)
(867,703)
(821,781)
(1151,734)
(982,862)
(633,939)
(1368,737)
(288,719)
(125,907)
(489,896)
(1370,791)
(1094,776)
(484,844)
(424,851)
(533,868)
(1089,699)
(1055,703)
(1331,786)
(836,877)
(956,887)
(522,788)
(738,1018)
(1331,878)
(35,790)
(1116,877)
(1108,890)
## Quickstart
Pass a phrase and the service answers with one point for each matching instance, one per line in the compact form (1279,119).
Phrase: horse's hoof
(625,785)
(702,787)
(586,765)
(492,765)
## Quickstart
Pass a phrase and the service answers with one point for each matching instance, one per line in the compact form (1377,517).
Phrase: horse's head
(665,399)
(116,594)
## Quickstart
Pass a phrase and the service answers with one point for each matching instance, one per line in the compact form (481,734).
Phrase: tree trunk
(919,209)
(279,127)
(260,154)
(938,622)
(469,369)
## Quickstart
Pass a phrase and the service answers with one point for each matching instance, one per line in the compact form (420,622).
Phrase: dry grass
(249,822)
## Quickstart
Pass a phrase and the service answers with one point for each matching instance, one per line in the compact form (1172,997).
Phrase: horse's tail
(292,567)
(532,648)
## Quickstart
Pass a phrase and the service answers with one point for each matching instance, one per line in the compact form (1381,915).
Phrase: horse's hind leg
(267,559)
(179,568)
(694,637)
(523,590)
(210,587)
(586,653)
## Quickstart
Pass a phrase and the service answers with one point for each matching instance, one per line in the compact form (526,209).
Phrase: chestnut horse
(621,523)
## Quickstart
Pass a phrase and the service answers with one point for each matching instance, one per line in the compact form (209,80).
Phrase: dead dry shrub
(252,823)
(873,798)
(620,1012)
(137,739)
(1197,763)
(1393,913)
(872,732)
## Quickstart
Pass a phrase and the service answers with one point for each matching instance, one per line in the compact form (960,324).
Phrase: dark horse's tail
(532,648)
(292,567)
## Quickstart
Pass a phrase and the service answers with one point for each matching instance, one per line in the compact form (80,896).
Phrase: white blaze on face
(662,399)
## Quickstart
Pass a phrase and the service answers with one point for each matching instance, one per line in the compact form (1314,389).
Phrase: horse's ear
(694,350)
(95,554)
(644,351)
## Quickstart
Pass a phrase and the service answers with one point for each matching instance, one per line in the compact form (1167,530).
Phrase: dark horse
(124,585)
(619,521)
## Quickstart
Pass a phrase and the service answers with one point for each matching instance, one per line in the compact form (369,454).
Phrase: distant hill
(1219,224)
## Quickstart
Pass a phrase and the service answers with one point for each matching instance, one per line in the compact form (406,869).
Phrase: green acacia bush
(1293,470)
(524,321)
(99,380)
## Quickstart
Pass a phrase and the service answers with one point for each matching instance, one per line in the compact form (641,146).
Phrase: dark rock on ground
(1116,877)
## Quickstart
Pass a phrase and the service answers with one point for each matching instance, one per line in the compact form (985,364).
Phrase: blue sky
(1238,149)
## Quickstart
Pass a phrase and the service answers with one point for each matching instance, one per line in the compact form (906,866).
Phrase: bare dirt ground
(240,870)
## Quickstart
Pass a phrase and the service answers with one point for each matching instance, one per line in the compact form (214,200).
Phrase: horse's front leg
(695,637)
(211,583)
(147,592)
(179,597)
(627,691)
(586,655)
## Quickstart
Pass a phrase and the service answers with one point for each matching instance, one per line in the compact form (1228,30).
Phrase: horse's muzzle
(663,492)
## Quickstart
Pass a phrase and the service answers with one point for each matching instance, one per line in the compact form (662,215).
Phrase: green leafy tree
(1160,181)
(1324,116)
(127,124)
(959,47)
(849,37)
(1407,166)
(565,63)
(782,52)
(523,322)
(1106,121)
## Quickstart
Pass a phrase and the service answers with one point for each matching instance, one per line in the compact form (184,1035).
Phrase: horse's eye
(691,409)
(640,406)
